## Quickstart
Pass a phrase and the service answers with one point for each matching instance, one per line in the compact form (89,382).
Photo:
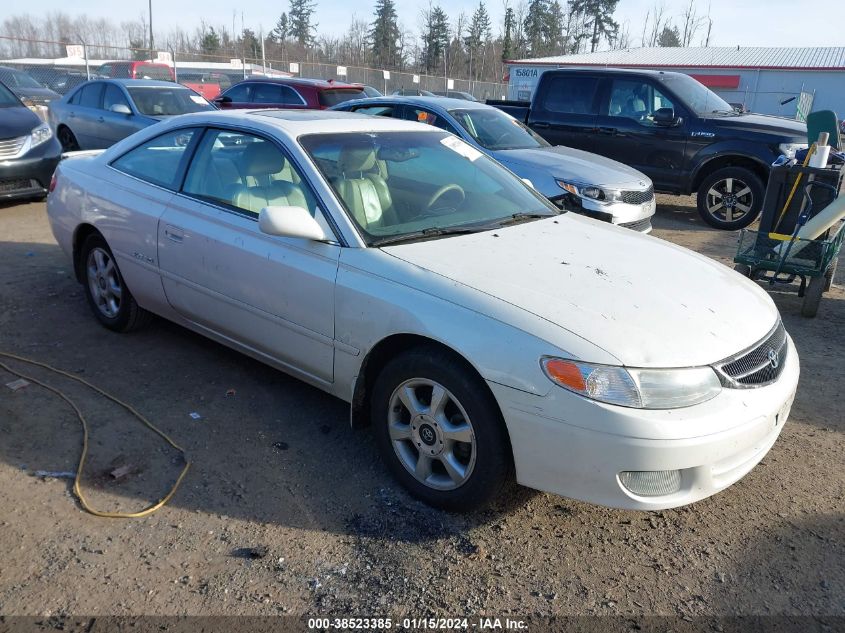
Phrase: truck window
(571,94)
(636,99)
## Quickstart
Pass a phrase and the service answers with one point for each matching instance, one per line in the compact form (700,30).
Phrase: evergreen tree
(507,39)
(535,27)
(599,19)
(669,36)
(435,38)
(210,42)
(299,17)
(282,30)
(478,34)
(384,35)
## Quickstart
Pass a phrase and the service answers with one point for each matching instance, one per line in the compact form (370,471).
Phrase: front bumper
(571,446)
(630,216)
(29,176)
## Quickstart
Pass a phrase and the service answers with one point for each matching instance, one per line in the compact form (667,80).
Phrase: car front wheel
(440,431)
(731,198)
(67,139)
(107,294)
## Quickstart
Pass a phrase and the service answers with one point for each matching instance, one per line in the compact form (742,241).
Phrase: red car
(290,93)
(136,70)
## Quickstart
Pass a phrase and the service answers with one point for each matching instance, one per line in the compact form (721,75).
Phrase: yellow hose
(810,152)
(77,487)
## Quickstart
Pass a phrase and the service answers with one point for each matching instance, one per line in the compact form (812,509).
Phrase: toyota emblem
(774,361)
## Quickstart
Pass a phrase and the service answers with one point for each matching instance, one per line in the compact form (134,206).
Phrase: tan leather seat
(262,161)
(363,188)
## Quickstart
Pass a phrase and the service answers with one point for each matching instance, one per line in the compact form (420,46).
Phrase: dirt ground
(276,466)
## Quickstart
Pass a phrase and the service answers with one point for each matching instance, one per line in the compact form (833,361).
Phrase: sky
(735,22)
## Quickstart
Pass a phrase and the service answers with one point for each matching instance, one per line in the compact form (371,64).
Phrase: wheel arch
(729,160)
(380,354)
(82,232)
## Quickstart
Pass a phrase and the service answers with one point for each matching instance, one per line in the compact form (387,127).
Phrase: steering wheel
(442,192)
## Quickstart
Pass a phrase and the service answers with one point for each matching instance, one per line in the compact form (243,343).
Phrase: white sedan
(482,332)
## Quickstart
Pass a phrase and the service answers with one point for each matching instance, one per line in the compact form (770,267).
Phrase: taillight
(53,180)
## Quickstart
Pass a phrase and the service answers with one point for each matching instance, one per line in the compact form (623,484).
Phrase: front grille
(638,197)
(638,225)
(11,147)
(20,184)
(759,366)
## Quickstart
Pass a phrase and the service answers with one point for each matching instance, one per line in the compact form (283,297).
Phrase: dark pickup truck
(681,134)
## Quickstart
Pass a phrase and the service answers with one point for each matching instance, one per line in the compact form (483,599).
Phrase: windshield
(697,96)
(396,184)
(154,101)
(7,98)
(17,79)
(493,129)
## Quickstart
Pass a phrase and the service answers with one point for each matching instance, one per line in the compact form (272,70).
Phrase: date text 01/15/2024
(418,624)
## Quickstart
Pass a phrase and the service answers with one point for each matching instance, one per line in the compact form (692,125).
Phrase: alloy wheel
(431,434)
(104,282)
(729,199)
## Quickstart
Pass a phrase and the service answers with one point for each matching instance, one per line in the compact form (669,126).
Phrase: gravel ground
(286,510)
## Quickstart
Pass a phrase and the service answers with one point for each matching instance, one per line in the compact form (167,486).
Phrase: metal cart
(778,261)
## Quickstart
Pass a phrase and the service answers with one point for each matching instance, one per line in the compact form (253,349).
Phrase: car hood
(570,164)
(645,301)
(40,95)
(778,128)
(17,121)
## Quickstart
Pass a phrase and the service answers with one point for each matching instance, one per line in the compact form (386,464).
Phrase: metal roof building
(762,78)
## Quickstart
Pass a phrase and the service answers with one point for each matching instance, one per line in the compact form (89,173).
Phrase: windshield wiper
(435,231)
(516,218)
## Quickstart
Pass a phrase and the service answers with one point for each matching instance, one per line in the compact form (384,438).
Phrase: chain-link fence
(38,70)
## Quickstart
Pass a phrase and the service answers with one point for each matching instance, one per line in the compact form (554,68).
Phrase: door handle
(101,119)
(71,115)
(542,125)
(607,130)
(174,234)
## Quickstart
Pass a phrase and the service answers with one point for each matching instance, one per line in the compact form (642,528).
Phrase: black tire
(67,139)
(743,269)
(121,314)
(813,297)
(492,466)
(737,180)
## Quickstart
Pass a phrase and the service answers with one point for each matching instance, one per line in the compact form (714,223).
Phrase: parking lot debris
(252,553)
(282,446)
(20,383)
(55,474)
(120,473)
(195,416)
(230,393)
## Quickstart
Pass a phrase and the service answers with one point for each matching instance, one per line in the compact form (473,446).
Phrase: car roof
(442,103)
(605,70)
(296,122)
(303,81)
(143,83)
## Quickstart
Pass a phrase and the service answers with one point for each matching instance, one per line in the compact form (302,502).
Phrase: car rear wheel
(439,430)
(730,198)
(107,294)
(67,139)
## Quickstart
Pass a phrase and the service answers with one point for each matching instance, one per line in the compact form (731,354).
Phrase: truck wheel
(730,198)
(813,297)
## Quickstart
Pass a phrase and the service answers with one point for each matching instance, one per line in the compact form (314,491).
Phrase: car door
(267,95)
(238,96)
(565,108)
(626,130)
(388,110)
(117,126)
(273,295)
(83,118)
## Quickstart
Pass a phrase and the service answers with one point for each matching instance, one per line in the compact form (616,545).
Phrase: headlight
(41,134)
(789,149)
(630,387)
(590,191)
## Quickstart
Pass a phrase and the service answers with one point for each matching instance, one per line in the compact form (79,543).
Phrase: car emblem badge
(774,361)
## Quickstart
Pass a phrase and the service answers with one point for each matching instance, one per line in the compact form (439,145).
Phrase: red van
(293,93)
(136,70)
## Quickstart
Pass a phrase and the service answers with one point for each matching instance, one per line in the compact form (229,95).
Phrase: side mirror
(290,222)
(223,99)
(665,116)
(120,108)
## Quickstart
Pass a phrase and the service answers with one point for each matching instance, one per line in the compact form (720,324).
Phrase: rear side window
(120,70)
(266,93)
(291,96)
(149,71)
(239,93)
(570,94)
(91,95)
(378,110)
(159,160)
(328,98)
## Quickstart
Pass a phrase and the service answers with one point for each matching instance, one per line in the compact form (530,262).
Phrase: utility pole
(152,44)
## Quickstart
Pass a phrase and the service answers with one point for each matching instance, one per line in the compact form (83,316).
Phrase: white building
(765,79)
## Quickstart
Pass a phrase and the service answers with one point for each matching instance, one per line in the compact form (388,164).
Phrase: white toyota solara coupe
(479,330)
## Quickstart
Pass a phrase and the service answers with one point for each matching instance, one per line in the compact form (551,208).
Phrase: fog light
(651,483)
